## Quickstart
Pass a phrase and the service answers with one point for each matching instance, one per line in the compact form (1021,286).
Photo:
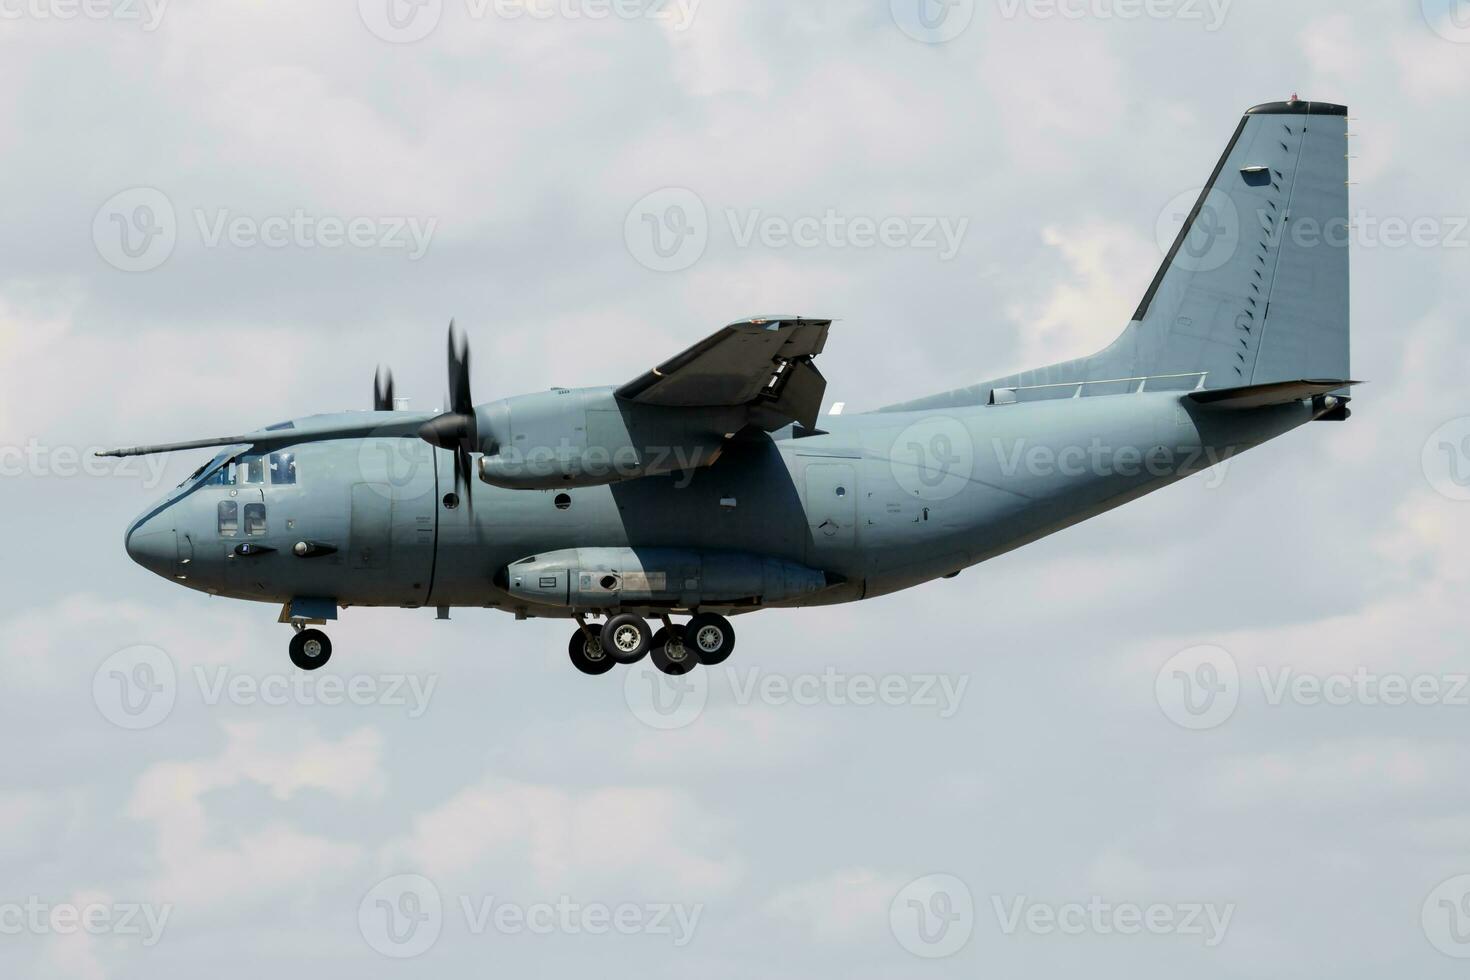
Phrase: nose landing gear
(675,649)
(310,648)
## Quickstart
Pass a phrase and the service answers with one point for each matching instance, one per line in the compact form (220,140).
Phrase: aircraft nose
(156,549)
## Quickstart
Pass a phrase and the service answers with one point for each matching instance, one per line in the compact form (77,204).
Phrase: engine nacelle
(588,437)
(606,578)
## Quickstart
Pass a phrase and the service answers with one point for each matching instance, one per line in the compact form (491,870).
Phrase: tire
(710,637)
(672,659)
(626,638)
(310,649)
(595,662)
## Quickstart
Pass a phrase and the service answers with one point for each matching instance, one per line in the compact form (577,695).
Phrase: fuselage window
(283,469)
(253,469)
(229,518)
(255,518)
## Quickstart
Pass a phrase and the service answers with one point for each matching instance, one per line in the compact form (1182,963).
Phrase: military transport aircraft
(711,485)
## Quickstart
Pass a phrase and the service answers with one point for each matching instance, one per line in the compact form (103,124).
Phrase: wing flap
(740,364)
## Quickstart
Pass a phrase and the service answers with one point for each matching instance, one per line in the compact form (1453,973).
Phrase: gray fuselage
(880,502)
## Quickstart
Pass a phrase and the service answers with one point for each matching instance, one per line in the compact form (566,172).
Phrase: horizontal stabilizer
(1263,395)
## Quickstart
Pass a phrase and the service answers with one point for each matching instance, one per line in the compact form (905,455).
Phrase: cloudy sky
(222,213)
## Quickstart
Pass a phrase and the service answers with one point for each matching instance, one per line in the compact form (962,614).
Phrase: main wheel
(588,656)
(669,654)
(310,649)
(710,637)
(626,638)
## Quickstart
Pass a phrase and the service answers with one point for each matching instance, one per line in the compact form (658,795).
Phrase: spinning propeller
(456,429)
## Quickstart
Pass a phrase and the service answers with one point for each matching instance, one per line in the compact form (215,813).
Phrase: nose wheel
(310,649)
(706,639)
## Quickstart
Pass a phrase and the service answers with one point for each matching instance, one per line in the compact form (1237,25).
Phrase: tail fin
(1255,287)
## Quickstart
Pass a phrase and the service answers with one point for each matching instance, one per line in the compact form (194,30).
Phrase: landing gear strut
(310,648)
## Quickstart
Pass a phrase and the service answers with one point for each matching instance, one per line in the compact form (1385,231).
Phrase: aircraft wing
(764,363)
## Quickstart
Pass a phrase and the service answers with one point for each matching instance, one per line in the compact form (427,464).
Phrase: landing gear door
(831,510)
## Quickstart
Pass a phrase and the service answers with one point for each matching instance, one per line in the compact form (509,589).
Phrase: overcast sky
(221,214)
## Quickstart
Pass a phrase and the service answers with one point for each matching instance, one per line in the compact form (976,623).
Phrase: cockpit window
(229,518)
(223,476)
(283,469)
(251,470)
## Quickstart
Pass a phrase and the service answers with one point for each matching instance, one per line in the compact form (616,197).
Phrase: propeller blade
(460,401)
(383,390)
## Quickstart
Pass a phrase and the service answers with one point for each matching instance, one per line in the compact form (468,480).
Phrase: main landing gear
(595,648)
(310,648)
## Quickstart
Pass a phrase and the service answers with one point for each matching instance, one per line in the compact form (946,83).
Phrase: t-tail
(1252,293)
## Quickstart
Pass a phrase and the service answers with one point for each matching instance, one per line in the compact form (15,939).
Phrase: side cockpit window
(283,469)
(255,470)
(229,518)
